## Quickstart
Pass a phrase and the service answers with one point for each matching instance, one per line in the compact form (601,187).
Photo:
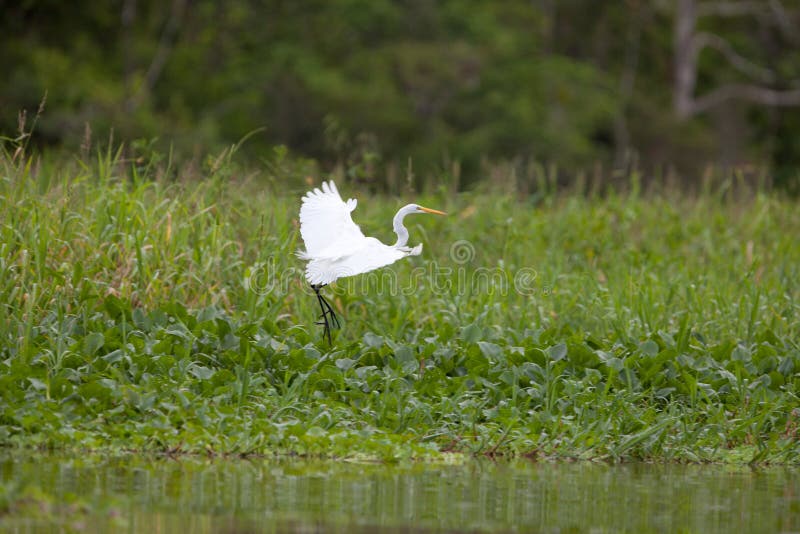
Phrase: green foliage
(148,311)
(367,87)
(384,82)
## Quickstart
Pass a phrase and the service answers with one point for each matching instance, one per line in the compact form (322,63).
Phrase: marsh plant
(151,308)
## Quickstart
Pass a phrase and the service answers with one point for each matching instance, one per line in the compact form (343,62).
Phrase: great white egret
(336,247)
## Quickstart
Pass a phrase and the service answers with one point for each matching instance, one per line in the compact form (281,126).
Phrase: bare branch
(751,93)
(741,63)
(774,8)
(731,9)
(783,20)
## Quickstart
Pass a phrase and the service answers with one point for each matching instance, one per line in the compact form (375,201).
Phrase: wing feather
(326,226)
(370,256)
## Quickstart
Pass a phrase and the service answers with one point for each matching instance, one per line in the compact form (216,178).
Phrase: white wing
(371,255)
(325,223)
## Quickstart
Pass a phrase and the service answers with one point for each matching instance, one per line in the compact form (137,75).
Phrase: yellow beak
(435,212)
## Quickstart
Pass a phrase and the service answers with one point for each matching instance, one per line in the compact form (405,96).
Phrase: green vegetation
(146,309)
(366,86)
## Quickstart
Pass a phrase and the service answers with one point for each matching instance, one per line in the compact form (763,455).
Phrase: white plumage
(335,245)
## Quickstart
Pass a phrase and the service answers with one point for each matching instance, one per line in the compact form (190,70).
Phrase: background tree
(368,85)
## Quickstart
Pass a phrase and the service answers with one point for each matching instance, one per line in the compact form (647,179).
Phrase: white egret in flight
(336,248)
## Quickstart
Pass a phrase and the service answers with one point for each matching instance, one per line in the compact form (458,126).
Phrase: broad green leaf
(471,333)
(37,384)
(490,350)
(557,352)
(649,348)
(93,342)
(201,372)
(407,359)
(786,367)
(345,363)
(114,356)
(741,354)
(372,340)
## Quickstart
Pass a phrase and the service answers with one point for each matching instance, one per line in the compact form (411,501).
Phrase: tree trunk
(685,61)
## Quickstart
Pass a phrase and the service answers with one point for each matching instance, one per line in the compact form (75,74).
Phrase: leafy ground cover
(149,311)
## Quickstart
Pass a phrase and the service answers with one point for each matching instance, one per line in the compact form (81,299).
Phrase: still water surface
(188,495)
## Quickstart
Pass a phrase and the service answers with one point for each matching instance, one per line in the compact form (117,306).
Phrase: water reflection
(136,494)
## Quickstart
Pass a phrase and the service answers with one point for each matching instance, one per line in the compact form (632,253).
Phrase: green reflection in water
(142,494)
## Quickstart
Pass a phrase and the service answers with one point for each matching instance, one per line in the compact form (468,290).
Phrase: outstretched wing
(325,223)
(371,255)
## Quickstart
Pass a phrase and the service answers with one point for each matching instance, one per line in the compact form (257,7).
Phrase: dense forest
(583,85)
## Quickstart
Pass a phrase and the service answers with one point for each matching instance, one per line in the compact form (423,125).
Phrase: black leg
(334,318)
(327,331)
(326,309)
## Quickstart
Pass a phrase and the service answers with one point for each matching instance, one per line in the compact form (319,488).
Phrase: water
(194,495)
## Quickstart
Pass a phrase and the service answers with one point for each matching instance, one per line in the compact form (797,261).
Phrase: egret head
(422,209)
(408,209)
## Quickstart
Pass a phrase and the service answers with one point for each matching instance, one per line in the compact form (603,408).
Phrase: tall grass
(150,308)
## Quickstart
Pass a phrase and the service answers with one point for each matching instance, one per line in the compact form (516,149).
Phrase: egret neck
(397,223)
